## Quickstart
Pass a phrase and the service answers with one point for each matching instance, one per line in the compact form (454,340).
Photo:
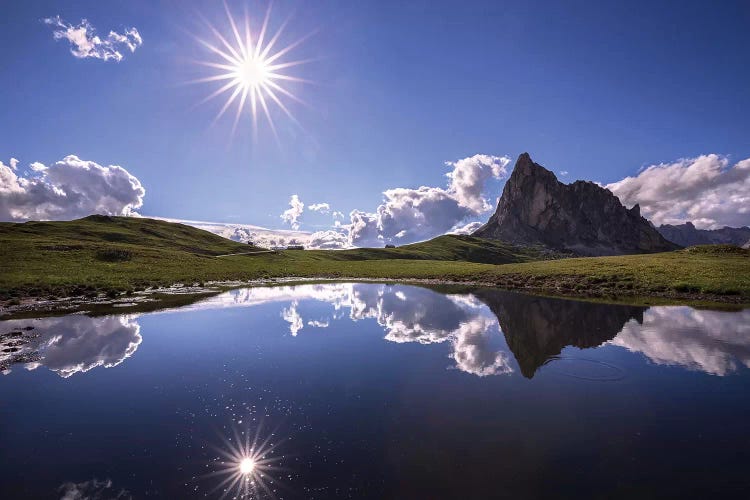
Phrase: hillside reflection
(484,331)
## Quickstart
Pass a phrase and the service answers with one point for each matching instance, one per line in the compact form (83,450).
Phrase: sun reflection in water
(248,466)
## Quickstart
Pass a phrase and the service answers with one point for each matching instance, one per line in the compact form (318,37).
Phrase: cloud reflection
(407,314)
(92,489)
(73,344)
(713,342)
(535,330)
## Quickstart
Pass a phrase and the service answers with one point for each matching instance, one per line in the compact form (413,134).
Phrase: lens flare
(251,73)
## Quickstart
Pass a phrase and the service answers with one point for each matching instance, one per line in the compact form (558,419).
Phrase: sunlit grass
(68,258)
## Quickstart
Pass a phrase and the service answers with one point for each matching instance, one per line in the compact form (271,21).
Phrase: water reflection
(713,342)
(72,344)
(92,489)
(537,329)
(484,330)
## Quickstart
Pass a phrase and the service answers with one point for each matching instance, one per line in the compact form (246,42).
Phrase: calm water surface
(377,391)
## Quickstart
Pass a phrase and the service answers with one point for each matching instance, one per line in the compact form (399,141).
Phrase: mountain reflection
(535,330)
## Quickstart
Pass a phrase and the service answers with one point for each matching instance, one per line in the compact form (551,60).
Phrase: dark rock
(583,217)
(688,235)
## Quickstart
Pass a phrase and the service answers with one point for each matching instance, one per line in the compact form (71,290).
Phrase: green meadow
(113,255)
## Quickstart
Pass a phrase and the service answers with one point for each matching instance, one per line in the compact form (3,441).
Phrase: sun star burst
(252,72)
(247,466)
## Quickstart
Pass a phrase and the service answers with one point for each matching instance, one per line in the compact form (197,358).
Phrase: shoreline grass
(118,255)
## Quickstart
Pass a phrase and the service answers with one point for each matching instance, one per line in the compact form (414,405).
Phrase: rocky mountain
(583,217)
(687,235)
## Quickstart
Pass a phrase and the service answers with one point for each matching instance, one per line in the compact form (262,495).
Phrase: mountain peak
(583,218)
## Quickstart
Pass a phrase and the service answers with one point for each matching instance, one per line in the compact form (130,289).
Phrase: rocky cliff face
(687,234)
(582,218)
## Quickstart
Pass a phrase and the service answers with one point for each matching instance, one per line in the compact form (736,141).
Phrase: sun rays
(251,71)
(247,466)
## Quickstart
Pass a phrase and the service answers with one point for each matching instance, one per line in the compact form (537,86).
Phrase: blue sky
(597,89)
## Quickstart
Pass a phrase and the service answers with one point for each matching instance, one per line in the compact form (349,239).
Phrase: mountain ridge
(688,235)
(583,218)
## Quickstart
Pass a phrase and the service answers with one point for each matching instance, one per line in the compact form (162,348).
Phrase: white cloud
(363,229)
(338,215)
(466,229)
(328,240)
(408,215)
(318,324)
(469,177)
(68,189)
(323,208)
(269,238)
(294,212)
(85,43)
(563,173)
(705,190)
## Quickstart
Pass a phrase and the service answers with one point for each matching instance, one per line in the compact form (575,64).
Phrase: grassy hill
(449,247)
(112,254)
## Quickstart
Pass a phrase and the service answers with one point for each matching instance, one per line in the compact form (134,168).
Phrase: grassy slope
(449,247)
(58,258)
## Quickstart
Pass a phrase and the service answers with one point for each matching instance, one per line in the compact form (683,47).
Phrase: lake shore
(82,264)
(180,294)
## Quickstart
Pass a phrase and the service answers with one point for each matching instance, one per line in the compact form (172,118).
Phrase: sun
(251,72)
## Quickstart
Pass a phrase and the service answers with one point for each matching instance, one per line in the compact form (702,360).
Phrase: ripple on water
(584,369)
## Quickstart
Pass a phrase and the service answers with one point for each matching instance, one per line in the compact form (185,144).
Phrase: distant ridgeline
(687,235)
(581,218)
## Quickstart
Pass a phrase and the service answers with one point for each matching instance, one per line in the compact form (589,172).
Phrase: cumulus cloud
(323,208)
(328,240)
(85,43)
(408,215)
(469,177)
(294,212)
(706,190)
(67,189)
(270,238)
(363,229)
(466,228)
